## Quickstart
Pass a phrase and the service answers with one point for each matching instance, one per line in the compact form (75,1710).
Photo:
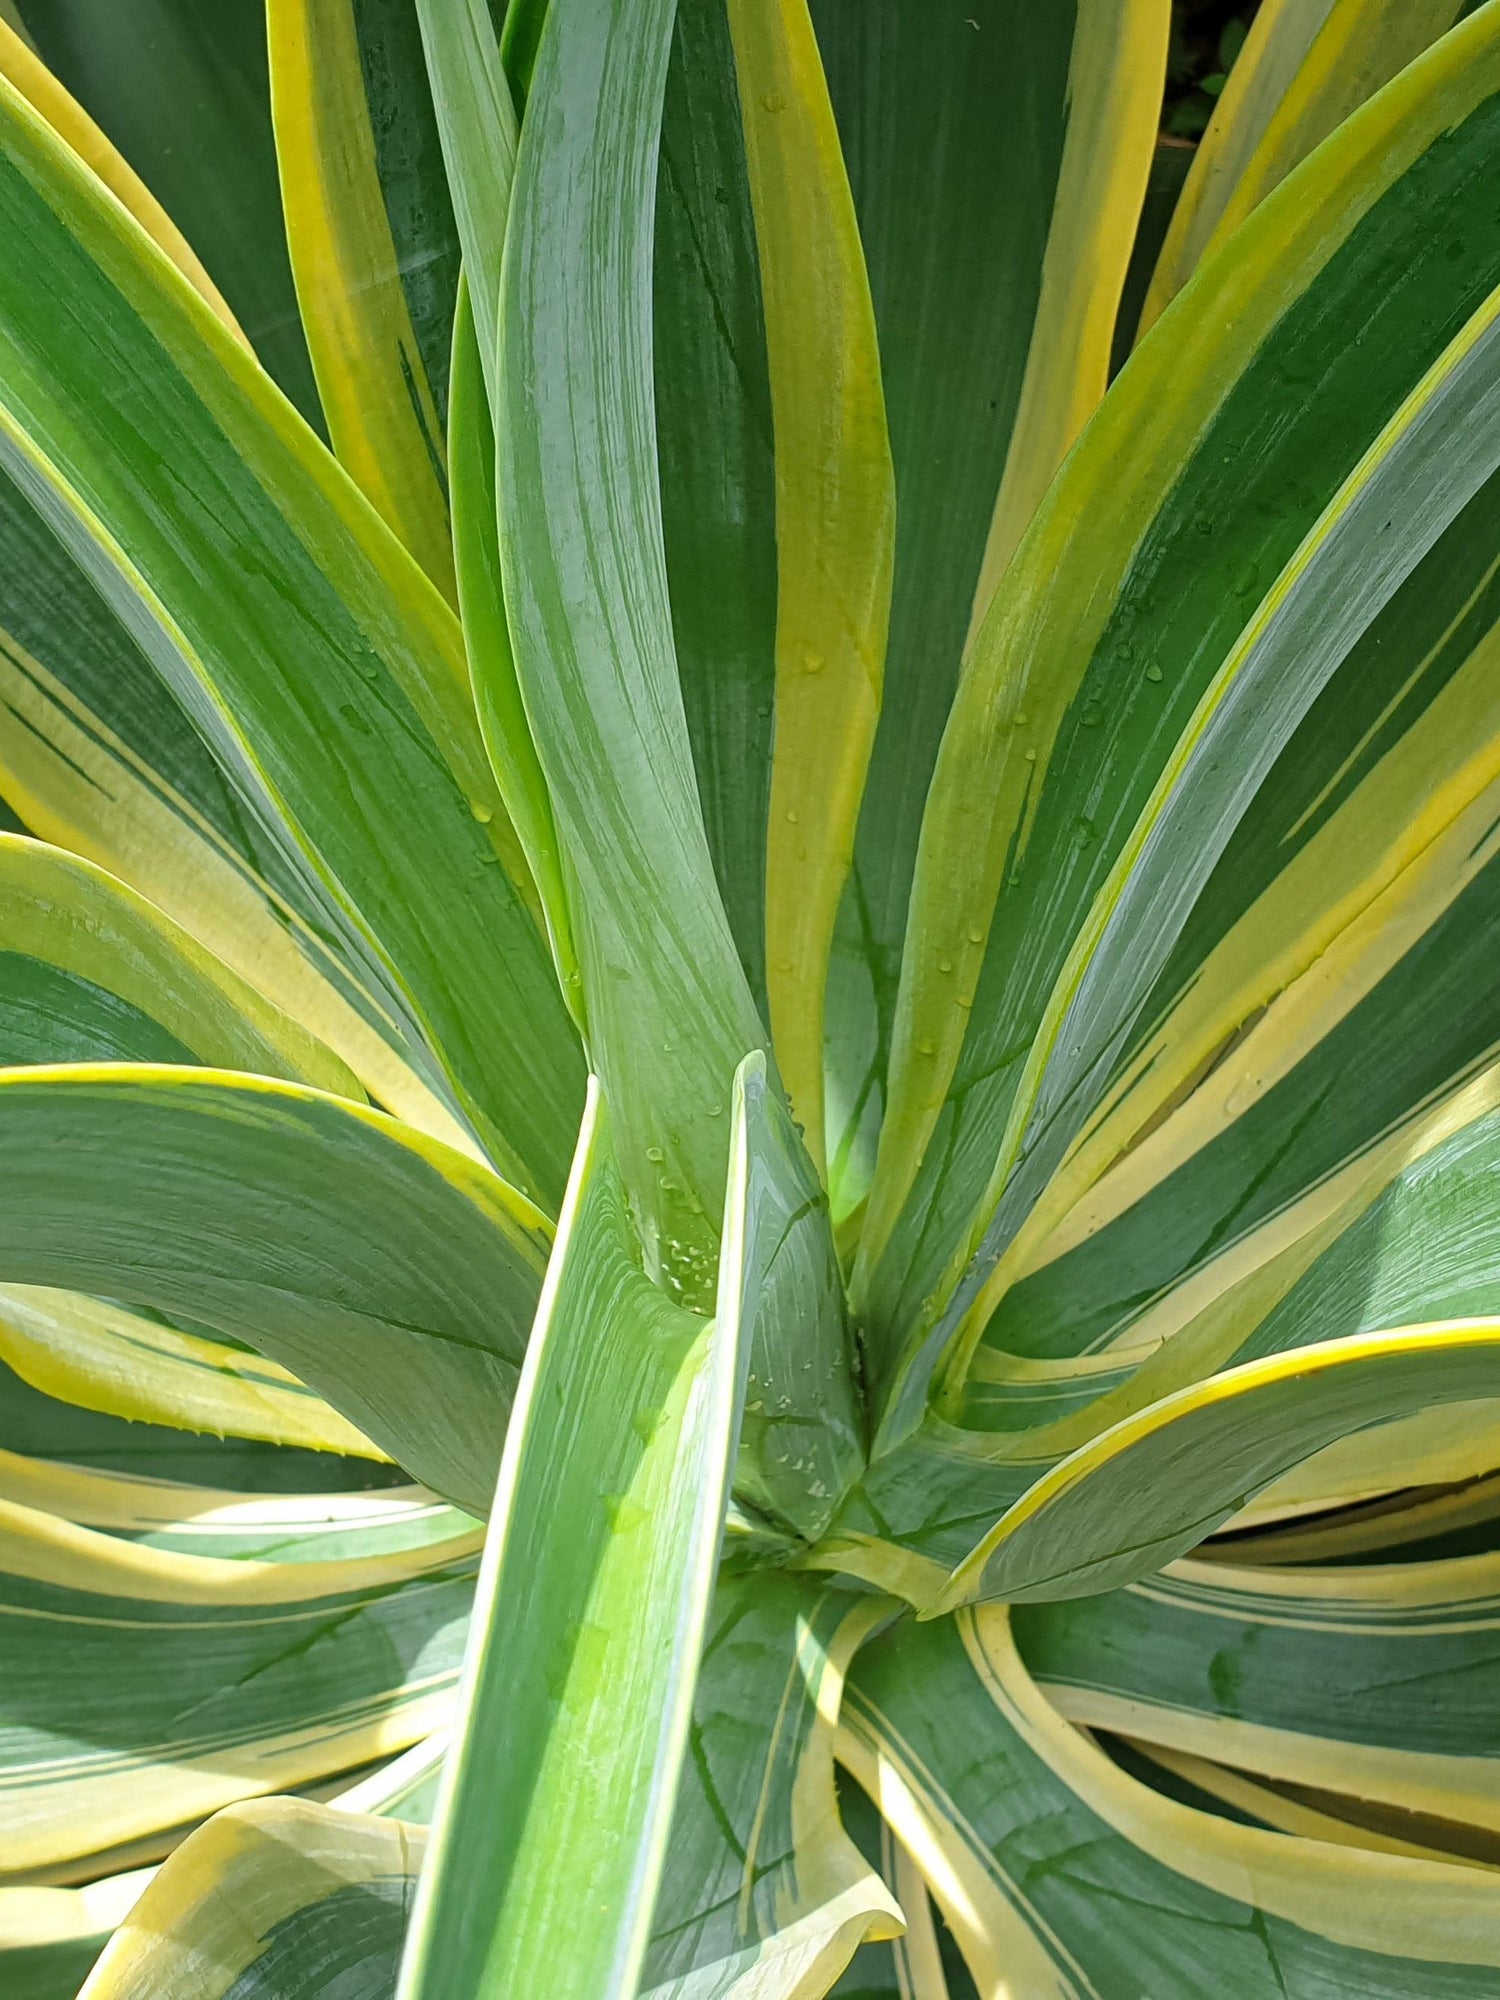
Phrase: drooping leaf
(102,760)
(765,1896)
(262,1900)
(1151,1487)
(395,1277)
(88,970)
(1374,1682)
(145,1687)
(95,1353)
(1061,1875)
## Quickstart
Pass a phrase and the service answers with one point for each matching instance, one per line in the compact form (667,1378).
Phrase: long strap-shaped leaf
(1079,695)
(187,102)
(997,155)
(667,1004)
(1064,1878)
(373,250)
(476,118)
(63,919)
(24,68)
(1376,1683)
(835,518)
(1434,456)
(394,1276)
(492,661)
(337,691)
(598,1575)
(1305,66)
(258,1895)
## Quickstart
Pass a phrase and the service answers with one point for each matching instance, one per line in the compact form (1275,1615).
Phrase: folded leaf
(801,1443)
(263,1898)
(598,1575)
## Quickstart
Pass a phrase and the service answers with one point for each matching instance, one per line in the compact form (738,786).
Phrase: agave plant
(677,883)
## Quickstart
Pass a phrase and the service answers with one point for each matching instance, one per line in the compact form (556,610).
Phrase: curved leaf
(765,1896)
(188,104)
(1376,1682)
(1306,65)
(393,1276)
(88,1351)
(262,1897)
(330,654)
(1061,1874)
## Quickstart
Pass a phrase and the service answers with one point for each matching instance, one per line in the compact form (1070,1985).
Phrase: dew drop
(791,817)
(945,965)
(976,935)
(1153,672)
(622,1512)
(483,813)
(812,663)
(655,1155)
